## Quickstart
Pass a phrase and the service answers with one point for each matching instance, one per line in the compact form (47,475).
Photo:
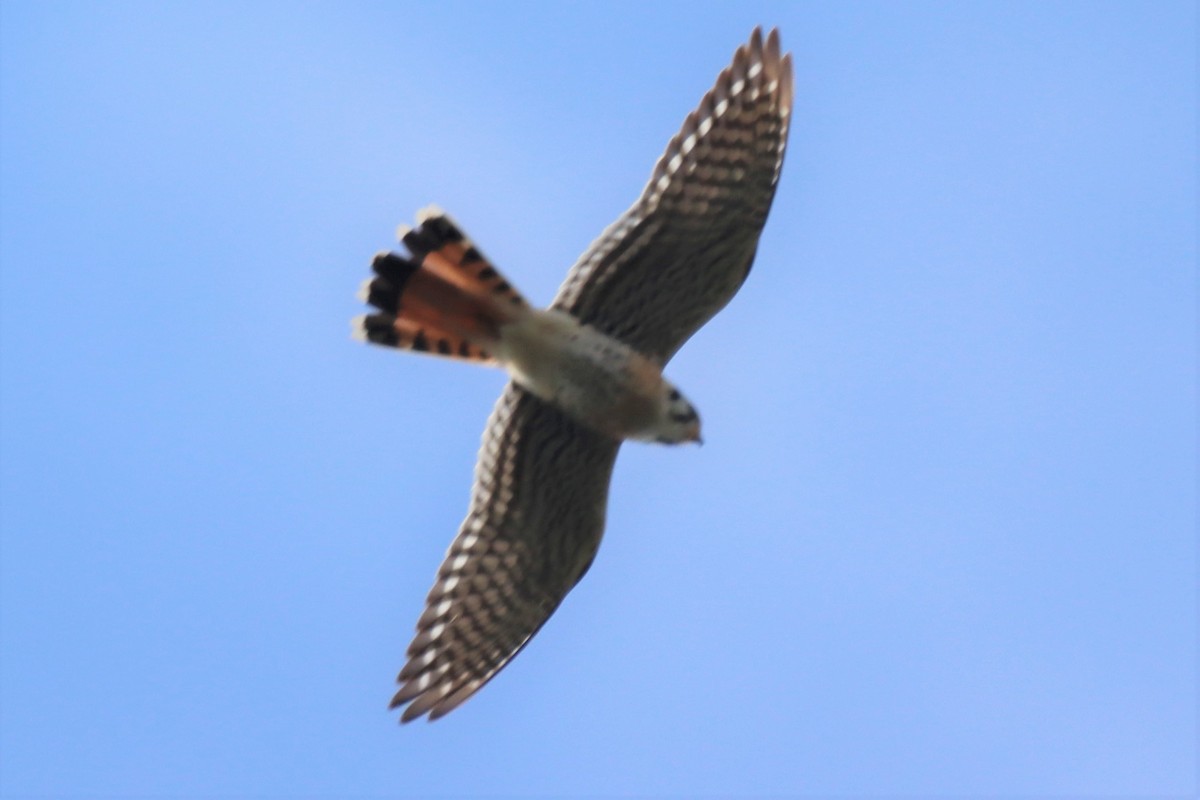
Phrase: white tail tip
(364,290)
(358,328)
(431,211)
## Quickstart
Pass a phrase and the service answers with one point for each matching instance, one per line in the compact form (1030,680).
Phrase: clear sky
(941,537)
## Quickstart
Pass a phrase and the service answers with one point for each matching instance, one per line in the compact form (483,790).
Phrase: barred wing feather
(681,252)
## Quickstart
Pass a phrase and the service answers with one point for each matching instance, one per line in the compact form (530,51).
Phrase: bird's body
(595,378)
(458,305)
(586,372)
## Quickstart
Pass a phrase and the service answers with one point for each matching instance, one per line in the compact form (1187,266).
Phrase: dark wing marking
(681,252)
(535,522)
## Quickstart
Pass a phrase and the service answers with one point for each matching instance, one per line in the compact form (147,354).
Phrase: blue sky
(941,538)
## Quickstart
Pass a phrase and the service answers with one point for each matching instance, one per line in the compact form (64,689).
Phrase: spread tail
(445,298)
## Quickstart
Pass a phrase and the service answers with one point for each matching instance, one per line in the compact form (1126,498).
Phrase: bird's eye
(674,394)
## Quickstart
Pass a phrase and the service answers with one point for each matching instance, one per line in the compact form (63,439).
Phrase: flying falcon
(586,373)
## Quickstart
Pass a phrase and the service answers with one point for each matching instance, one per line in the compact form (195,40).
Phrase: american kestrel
(586,373)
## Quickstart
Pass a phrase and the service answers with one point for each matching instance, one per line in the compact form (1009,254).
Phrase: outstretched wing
(535,521)
(652,279)
(679,254)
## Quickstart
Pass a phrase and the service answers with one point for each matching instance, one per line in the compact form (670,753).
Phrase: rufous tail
(444,298)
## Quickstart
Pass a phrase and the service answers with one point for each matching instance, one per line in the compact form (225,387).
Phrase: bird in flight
(586,373)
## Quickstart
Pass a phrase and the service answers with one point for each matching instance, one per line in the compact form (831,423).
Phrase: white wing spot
(673,165)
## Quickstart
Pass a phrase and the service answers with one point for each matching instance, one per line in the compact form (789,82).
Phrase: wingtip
(785,84)
(771,51)
(740,65)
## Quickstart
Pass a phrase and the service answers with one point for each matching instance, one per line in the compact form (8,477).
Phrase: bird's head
(678,421)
